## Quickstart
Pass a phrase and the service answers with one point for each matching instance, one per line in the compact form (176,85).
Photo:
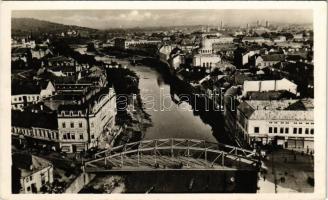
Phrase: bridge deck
(171,154)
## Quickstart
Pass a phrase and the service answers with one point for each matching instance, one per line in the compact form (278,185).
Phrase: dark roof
(64,68)
(22,160)
(24,88)
(273,57)
(246,109)
(60,59)
(175,51)
(31,119)
(87,104)
(270,95)
(19,50)
(28,87)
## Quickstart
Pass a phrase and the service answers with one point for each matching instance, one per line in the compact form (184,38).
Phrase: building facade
(281,122)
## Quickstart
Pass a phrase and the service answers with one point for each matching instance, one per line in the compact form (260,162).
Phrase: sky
(105,19)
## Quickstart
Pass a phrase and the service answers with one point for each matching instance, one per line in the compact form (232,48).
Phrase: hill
(23,26)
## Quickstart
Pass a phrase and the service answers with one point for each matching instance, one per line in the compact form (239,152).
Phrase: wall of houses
(37,180)
(17,101)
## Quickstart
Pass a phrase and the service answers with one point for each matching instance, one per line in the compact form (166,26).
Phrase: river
(173,112)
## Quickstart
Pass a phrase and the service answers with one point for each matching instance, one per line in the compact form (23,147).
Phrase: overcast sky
(104,19)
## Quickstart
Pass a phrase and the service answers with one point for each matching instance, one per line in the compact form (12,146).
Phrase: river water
(171,118)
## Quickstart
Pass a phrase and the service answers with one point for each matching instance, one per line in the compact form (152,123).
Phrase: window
(275,129)
(256,129)
(286,130)
(81,136)
(299,122)
(306,131)
(64,136)
(80,124)
(19,98)
(281,130)
(312,131)
(92,137)
(299,130)
(57,136)
(270,129)
(73,136)
(63,125)
(295,130)
(72,124)
(68,136)
(31,178)
(28,188)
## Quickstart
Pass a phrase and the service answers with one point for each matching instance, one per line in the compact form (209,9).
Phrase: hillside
(21,26)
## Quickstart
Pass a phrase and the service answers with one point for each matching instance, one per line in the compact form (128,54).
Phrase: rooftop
(29,164)
(277,109)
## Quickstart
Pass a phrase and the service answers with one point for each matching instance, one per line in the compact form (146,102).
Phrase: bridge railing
(210,152)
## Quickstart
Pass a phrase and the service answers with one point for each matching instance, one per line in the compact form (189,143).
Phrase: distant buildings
(253,40)
(35,172)
(289,123)
(122,43)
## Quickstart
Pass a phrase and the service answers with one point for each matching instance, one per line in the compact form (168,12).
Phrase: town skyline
(111,19)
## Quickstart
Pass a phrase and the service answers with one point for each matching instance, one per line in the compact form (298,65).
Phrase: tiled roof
(282,115)
(276,110)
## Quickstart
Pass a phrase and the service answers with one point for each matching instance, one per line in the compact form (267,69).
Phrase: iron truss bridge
(172,154)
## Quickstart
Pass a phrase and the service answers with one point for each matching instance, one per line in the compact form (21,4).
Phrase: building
(60,61)
(164,52)
(122,43)
(242,56)
(269,85)
(38,124)
(68,122)
(205,60)
(262,61)
(80,125)
(35,172)
(208,42)
(253,40)
(40,52)
(23,94)
(288,123)
(279,39)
